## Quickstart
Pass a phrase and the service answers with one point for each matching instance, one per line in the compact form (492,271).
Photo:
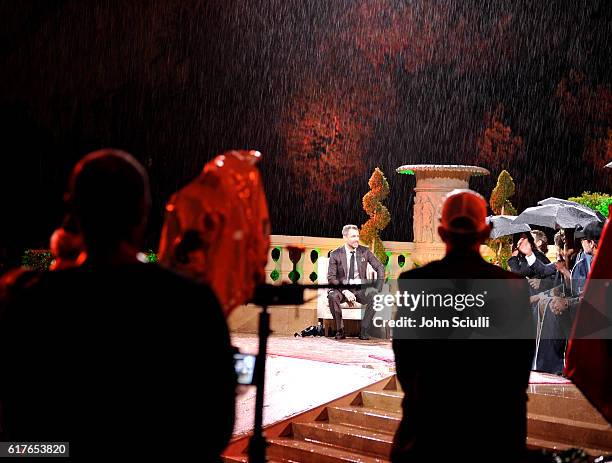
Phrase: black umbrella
(504,225)
(557,215)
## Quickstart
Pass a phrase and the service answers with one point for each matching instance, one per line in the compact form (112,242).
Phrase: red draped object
(589,360)
(217,228)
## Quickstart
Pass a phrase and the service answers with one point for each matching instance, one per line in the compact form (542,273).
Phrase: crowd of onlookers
(556,287)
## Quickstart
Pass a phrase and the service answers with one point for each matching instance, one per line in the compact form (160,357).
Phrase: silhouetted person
(67,248)
(552,341)
(465,399)
(589,240)
(117,357)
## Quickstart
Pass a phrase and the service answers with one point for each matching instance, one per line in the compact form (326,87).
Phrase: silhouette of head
(65,246)
(109,197)
(463,220)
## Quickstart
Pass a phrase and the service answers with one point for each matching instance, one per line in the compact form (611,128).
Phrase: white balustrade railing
(303,268)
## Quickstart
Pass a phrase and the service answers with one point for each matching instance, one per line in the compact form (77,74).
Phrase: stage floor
(303,373)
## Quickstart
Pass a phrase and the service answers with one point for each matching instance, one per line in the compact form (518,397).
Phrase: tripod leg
(257,443)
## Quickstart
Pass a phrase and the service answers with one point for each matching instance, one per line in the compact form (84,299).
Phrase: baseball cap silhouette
(464,211)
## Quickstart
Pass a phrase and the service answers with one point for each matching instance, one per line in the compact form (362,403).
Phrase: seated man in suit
(348,265)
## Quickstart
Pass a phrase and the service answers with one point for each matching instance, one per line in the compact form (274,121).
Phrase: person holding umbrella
(589,239)
(503,226)
(551,340)
(557,309)
(527,260)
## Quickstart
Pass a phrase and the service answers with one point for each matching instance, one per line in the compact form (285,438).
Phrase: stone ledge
(283,319)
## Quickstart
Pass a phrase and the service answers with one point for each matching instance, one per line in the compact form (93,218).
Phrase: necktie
(352,266)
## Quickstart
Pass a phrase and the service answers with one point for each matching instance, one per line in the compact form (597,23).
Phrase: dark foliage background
(327,90)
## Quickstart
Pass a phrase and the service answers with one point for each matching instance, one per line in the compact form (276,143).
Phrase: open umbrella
(553,200)
(557,216)
(504,225)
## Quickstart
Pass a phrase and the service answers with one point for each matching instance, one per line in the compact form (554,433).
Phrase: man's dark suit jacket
(337,270)
(463,398)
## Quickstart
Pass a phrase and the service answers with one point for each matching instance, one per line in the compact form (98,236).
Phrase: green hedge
(596,201)
(37,259)
(41,259)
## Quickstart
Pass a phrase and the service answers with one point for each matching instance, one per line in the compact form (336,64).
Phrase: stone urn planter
(433,182)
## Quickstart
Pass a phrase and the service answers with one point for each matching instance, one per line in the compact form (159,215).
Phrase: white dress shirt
(351,279)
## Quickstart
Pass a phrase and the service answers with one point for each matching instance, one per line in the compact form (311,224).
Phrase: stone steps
(575,407)
(383,400)
(361,440)
(362,430)
(571,432)
(244,459)
(287,449)
(543,444)
(367,418)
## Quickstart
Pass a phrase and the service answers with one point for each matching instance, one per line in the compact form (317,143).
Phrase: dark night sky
(175,82)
